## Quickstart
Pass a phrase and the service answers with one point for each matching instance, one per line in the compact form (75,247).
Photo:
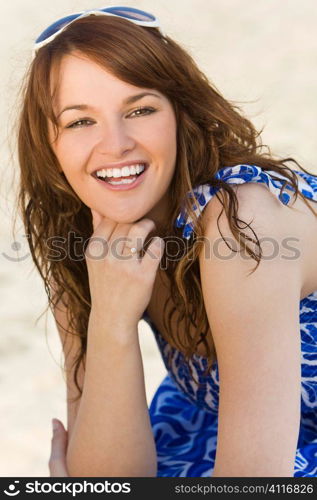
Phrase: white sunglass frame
(95,12)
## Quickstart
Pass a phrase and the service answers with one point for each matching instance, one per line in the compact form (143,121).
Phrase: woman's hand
(121,282)
(57,461)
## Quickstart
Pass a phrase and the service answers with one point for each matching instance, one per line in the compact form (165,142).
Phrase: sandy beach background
(263,52)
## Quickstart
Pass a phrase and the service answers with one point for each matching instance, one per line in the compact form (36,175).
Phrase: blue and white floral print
(240,174)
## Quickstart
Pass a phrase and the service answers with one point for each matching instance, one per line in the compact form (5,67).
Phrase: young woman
(147,195)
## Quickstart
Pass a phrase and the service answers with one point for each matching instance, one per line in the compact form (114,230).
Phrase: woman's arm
(255,324)
(71,347)
(109,432)
(112,434)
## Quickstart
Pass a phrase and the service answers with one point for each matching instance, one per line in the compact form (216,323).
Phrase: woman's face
(113,127)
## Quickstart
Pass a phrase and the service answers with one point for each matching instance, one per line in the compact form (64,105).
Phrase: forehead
(77,76)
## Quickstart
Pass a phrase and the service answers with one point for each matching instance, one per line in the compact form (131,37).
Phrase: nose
(114,140)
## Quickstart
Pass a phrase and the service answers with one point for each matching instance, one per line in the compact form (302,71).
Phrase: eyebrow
(129,100)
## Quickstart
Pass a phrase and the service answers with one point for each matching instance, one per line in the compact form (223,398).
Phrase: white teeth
(123,181)
(125,171)
(121,172)
(116,172)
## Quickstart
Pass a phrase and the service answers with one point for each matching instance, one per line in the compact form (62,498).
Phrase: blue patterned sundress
(184,418)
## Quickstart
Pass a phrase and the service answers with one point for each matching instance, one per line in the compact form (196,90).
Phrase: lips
(138,179)
(107,179)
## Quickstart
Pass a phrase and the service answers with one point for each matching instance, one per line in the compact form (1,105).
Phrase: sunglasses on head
(136,16)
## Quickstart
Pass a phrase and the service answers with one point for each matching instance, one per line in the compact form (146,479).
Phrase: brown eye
(79,123)
(142,111)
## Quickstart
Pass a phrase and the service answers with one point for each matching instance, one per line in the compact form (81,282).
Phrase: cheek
(162,138)
(72,152)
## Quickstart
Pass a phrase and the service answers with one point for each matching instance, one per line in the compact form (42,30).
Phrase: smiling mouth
(118,180)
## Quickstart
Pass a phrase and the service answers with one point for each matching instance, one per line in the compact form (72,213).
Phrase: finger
(135,237)
(154,253)
(102,230)
(57,461)
(102,226)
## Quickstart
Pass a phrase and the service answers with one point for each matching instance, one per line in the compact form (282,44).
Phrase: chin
(125,220)
(126,216)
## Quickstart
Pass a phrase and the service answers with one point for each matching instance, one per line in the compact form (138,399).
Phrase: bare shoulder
(259,204)
(263,219)
(288,232)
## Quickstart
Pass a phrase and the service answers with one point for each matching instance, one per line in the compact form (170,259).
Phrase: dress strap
(240,174)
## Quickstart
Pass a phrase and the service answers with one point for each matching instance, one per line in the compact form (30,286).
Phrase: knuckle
(147,223)
(96,248)
(142,228)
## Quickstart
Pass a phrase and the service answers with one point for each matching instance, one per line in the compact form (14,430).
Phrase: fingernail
(159,243)
(54,424)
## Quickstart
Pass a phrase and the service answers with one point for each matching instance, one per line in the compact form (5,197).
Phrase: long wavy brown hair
(212,133)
